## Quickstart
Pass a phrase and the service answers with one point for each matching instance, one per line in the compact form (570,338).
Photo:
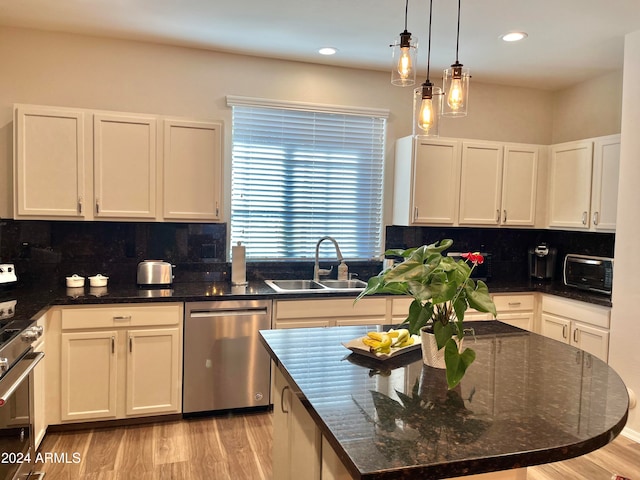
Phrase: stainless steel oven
(17,361)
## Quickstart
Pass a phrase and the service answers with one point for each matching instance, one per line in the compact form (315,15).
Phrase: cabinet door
(88,375)
(481,183)
(281,411)
(435,182)
(154,378)
(591,339)
(49,168)
(570,185)
(192,170)
(522,320)
(556,327)
(124,166)
(305,443)
(604,198)
(519,184)
(342,322)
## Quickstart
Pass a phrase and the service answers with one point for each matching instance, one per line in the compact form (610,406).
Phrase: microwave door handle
(16,376)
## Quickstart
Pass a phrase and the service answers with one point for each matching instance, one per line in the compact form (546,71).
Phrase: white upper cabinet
(481,183)
(519,185)
(427,181)
(123,161)
(583,179)
(124,166)
(604,190)
(192,170)
(49,162)
(499,184)
(570,184)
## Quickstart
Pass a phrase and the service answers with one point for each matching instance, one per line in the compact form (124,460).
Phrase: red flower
(474,258)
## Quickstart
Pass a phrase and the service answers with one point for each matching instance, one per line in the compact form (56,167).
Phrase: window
(301,172)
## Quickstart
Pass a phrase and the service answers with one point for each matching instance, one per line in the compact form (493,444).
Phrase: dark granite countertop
(33,298)
(526,400)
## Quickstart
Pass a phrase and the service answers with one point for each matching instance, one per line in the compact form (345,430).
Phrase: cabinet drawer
(125,315)
(329,307)
(506,303)
(577,310)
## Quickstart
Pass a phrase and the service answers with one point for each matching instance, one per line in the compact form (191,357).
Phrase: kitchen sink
(300,286)
(344,284)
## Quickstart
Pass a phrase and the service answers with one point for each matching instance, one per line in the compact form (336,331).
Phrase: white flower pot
(431,356)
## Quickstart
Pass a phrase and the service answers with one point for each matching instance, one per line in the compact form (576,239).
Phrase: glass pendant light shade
(427,107)
(455,84)
(404,60)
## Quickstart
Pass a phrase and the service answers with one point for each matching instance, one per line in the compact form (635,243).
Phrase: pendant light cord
(458,32)
(429,43)
(406,13)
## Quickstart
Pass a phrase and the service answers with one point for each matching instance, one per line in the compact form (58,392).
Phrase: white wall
(90,72)
(588,109)
(624,354)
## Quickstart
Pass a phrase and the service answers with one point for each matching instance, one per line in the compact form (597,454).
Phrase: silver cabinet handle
(584,218)
(515,304)
(575,335)
(284,389)
(564,331)
(217,210)
(595,218)
(79,204)
(113,344)
(415,213)
(504,216)
(498,215)
(130,344)
(97,205)
(122,317)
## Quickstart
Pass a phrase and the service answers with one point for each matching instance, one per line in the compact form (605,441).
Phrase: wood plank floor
(238,447)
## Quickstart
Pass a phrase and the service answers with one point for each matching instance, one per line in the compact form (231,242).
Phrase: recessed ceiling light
(327,51)
(514,36)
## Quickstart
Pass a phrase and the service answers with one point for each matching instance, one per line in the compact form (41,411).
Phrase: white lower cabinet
(297,442)
(517,310)
(131,368)
(580,324)
(329,312)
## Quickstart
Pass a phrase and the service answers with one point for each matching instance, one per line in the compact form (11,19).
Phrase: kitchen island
(526,400)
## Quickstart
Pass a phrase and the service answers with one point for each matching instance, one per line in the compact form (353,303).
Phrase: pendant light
(427,99)
(455,84)
(403,58)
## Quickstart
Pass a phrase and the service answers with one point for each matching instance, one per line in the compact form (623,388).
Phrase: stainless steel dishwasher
(225,364)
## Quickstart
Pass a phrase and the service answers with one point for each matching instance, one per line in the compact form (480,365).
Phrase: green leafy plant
(442,291)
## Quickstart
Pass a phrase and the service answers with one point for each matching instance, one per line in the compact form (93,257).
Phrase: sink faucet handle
(324,271)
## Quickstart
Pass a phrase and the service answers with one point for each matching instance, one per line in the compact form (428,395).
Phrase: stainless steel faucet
(317,271)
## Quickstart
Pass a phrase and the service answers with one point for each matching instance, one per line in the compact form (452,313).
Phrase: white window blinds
(299,174)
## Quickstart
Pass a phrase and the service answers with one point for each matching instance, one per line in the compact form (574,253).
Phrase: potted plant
(442,290)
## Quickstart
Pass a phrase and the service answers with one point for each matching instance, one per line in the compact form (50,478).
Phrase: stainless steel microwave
(589,273)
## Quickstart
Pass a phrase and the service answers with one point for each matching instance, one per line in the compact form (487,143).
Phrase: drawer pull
(122,317)
(515,304)
(564,331)
(284,389)
(575,335)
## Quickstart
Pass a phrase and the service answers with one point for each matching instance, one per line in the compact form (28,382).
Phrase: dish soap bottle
(343,271)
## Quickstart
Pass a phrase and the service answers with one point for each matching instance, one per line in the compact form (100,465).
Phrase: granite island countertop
(526,400)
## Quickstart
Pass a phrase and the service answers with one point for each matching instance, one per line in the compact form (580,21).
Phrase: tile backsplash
(509,246)
(50,250)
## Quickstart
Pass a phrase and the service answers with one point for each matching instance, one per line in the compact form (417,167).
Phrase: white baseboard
(631,434)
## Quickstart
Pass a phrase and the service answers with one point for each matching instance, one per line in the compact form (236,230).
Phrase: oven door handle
(17,374)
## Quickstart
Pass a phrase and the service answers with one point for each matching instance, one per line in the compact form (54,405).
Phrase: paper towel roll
(238,265)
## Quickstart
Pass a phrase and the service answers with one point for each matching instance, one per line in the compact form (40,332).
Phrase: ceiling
(569,40)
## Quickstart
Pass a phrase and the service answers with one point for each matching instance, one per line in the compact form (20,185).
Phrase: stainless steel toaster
(155,273)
